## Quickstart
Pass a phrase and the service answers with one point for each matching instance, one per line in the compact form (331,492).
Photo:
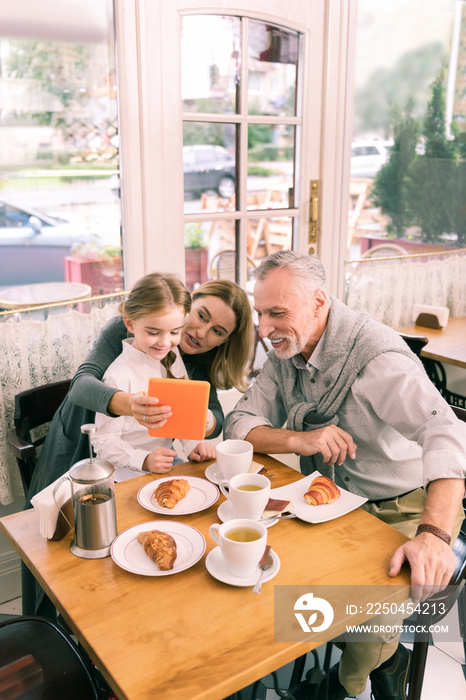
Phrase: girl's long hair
(228,368)
(156,293)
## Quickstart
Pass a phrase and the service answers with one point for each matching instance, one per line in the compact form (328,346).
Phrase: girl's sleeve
(87,389)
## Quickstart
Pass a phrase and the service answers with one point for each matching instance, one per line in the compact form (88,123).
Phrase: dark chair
(435,370)
(38,661)
(33,408)
(455,592)
(415,342)
(438,376)
(431,616)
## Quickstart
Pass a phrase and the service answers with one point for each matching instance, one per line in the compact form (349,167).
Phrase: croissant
(170,492)
(322,490)
(160,547)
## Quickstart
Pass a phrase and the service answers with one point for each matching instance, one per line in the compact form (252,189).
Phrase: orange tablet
(189,400)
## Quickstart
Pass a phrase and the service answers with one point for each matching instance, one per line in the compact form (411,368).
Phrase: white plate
(216,566)
(213,473)
(316,514)
(226,512)
(201,495)
(129,553)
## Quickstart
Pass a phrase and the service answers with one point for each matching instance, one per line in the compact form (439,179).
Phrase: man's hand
(333,443)
(432,564)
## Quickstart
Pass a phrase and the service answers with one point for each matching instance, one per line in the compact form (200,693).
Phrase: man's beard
(293,347)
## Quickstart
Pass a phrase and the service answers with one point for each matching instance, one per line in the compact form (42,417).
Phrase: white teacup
(242,543)
(248,494)
(234,457)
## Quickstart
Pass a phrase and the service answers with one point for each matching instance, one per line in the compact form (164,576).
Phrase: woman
(215,346)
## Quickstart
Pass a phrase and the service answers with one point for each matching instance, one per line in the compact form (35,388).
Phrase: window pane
(270,166)
(407,161)
(267,235)
(208,164)
(272,69)
(59,200)
(209,251)
(210,63)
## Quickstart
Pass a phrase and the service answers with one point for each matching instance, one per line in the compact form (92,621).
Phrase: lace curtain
(35,352)
(388,289)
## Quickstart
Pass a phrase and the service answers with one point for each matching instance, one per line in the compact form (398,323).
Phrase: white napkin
(48,507)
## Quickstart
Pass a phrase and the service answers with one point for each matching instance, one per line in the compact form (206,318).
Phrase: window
(59,148)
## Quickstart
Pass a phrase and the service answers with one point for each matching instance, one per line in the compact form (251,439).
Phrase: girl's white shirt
(121,439)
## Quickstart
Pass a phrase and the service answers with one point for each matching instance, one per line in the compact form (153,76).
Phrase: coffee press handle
(88,429)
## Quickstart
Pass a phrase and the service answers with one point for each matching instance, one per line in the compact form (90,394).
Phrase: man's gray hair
(307,269)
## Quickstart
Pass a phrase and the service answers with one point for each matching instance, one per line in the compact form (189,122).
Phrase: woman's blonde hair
(228,368)
(155,293)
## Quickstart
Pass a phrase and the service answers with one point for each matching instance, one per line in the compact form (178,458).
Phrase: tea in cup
(248,494)
(234,457)
(242,543)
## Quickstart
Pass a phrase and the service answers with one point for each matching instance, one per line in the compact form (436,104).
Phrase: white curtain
(387,290)
(35,352)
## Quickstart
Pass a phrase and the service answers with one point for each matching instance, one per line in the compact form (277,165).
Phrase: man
(346,394)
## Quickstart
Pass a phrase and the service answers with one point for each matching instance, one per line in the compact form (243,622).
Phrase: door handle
(313,215)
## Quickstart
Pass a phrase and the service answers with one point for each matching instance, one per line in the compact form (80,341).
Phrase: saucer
(226,512)
(214,474)
(216,566)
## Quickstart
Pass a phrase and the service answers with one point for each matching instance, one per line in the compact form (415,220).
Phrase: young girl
(154,313)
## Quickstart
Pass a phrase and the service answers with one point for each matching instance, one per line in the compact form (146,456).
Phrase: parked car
(367,157)
(33,245)
(208,168)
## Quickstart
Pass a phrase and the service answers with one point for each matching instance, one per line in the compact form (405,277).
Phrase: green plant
(194,236)
(428,189)
(389,190)
(433,177)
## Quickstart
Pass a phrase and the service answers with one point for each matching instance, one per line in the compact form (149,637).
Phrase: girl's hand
(160,461)
(146,411)
(202,452)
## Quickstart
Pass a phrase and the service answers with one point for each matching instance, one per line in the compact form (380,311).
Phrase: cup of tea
(234,457)
(248,494)
(242,543)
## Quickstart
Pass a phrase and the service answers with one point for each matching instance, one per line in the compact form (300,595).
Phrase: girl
(216,345)
(154,313)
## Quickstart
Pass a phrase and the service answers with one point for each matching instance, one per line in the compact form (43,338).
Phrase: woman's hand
(142,407)
(146,411)
(202,452)
(211,422)
(159,461)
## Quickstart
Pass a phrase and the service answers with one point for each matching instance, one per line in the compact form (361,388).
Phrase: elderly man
(346,394)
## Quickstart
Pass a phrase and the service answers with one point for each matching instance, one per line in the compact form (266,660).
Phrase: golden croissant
(160,547)
(169,493)
(322,490)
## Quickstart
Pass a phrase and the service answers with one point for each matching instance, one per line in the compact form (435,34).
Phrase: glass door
(241,130)
(222,111)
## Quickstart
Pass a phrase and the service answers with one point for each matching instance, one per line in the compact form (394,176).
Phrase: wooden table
(189,635)
(447,344)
